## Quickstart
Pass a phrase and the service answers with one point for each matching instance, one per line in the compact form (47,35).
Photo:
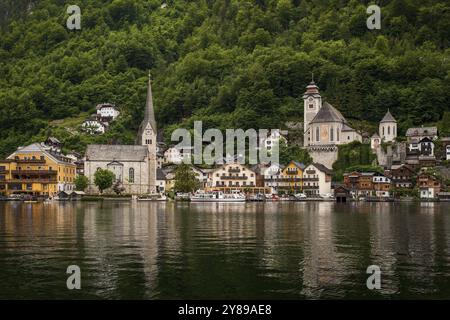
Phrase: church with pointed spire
(134,166)
(324,127)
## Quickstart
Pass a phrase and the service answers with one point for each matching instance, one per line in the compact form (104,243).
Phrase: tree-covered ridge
(228,63)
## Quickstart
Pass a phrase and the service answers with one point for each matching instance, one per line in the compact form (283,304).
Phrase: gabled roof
(388,117)
(375,135)
(36,147)
(322,168)
(328,113)
(298,164)
(105,152)
(422,131)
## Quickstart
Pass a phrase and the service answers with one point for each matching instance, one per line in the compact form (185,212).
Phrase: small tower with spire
(312,102)
(147,136)
(388,128)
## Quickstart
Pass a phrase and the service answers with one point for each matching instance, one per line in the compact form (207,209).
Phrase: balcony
(33,180)
(41,161)
(311,179)
(35,172)
(234,170)
(227,177)
(310,187)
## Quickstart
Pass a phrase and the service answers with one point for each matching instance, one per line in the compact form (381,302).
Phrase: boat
(257,197)
(152,197)
(300,196)
(217,196)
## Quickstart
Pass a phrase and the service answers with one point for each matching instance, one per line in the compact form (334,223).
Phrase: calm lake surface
(288,250)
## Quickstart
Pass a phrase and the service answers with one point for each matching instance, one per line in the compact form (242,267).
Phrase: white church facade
(134,166)
(324,128)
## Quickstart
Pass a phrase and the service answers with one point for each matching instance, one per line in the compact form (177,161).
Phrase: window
(317,134)
(131,175)
(311,106)
(383,131)
(331,134)
(389,130)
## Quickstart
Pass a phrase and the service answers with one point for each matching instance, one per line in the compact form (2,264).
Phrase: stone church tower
(388,128)
(147,135)
(312,104)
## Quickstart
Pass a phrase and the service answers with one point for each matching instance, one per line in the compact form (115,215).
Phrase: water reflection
(253,250)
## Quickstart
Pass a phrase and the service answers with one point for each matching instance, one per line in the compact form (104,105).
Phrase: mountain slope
(229,63)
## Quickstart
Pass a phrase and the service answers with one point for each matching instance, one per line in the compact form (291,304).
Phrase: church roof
(106,152)
(345,127)
(328,113)
(388,117)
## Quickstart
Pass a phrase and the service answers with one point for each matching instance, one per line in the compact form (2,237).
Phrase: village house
(418,133)
(36,170)
(272,176)
(232,175)
(446,147)
(94,125)
(381,185)
(177,156)
(429,185)
(317,180)
(107,111)
(291,176)
(402,176)
(274,138)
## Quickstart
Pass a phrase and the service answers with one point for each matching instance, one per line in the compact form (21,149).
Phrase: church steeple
(149,116)
(147,129)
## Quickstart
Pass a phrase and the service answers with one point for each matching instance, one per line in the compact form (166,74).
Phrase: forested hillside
(229,63)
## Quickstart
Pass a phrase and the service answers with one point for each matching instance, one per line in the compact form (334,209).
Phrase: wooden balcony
(36,161)
(227,177)
(35,172)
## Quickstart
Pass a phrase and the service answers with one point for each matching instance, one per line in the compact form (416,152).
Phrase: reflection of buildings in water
(323,265)
(383,251)
(417,248)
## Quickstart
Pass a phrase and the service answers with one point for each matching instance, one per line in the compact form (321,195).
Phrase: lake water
(292,250)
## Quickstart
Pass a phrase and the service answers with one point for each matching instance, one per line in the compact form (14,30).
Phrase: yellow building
(37,171)
(291,177)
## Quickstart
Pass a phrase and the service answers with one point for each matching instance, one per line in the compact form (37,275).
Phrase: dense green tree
(185,179)
(103,179)
(81,183)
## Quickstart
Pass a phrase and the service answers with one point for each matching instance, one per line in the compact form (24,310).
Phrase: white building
(272,176)
(107,110)
(447,152)
(94,126)
(417,134)
(134,166)
(388,128)
(232,175)
(381,184)
(274,138)
(324,128)
(177,156)
(323,123)
(317,179)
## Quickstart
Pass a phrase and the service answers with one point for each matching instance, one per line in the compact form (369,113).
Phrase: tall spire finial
(149,75)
